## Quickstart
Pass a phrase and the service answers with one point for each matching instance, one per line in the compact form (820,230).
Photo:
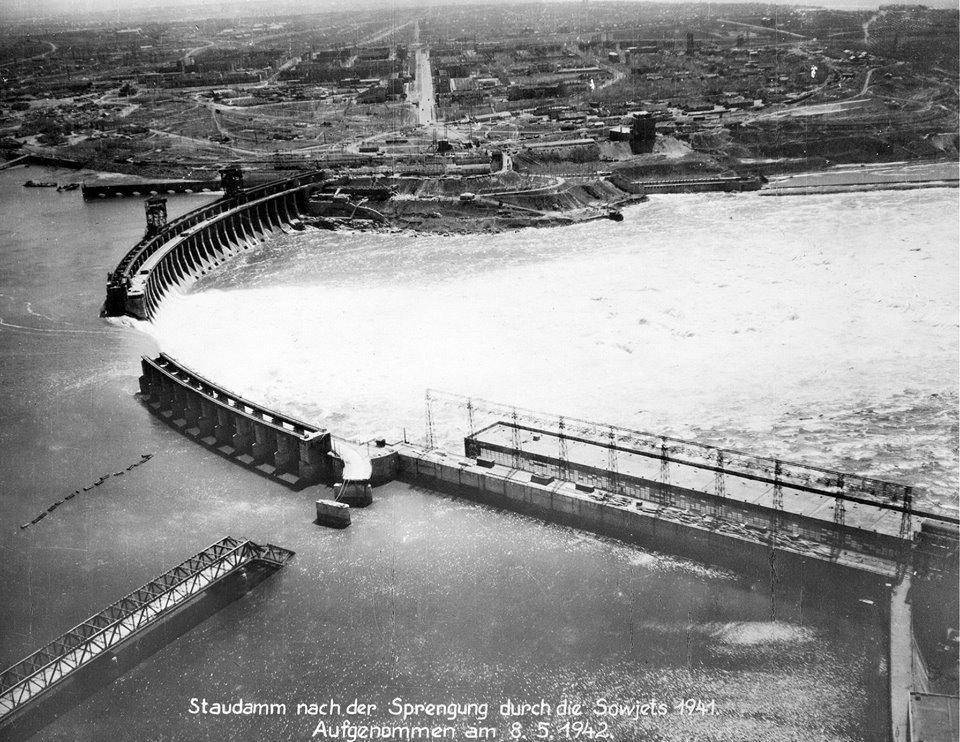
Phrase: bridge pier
(273,209)
(244,437)
(166,398)
(312,459)
(287,214)
(178,409)
(217,246)
(287,456)
(333,514)
(190,256)
(234,243)
(191,415)
(163,277)
(262,222)
(224,430)
(207,422)
(149,303)
(356,494)
(182,265)
(198,251)
(265,445)
(242,223)
(147,381)
(216,241)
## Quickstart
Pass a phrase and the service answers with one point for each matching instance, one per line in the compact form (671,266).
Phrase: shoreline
(449,216)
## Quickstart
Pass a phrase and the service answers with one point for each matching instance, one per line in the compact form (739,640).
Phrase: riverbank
(867,177)
(506,201)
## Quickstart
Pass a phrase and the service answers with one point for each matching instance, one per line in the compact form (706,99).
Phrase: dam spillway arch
(179,252)
(173,255)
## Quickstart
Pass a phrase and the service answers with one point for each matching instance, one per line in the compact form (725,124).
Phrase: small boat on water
(39,184)
(68,187)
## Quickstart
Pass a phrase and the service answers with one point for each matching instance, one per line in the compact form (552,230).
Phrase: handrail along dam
(173,254)
(675,495)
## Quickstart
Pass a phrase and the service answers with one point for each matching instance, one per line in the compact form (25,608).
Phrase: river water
(822,330)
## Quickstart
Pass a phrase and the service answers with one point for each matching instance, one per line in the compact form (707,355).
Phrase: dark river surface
(425,598)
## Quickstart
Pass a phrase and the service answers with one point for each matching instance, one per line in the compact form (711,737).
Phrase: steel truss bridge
(46,667)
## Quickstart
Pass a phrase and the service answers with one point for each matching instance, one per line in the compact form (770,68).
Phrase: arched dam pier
(278,446)
(174,254)
(293,452)
(102,189)
(750,514)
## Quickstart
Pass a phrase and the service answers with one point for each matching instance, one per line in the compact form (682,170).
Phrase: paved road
(764,28)
(424,88)
(383,34)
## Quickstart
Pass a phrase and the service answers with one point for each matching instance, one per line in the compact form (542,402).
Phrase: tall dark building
(156,208)
(232,180)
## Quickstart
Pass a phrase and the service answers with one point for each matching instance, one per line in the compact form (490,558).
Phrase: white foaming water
(754,633)
(821,329)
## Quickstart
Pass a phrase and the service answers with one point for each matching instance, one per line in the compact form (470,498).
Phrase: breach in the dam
(745,511)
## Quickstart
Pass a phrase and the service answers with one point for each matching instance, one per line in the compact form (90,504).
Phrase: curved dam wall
(188,247)
(292,451)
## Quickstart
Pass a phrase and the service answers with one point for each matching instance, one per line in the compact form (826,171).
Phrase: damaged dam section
(806,531)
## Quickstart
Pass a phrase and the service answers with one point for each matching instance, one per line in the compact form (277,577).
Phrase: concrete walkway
(901,660)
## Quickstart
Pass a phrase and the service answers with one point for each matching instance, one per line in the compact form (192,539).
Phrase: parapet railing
(186,377)
(36,674)
(140,252)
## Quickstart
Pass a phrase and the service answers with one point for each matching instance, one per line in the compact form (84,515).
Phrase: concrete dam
(176,253)
(858,521)
(677,496)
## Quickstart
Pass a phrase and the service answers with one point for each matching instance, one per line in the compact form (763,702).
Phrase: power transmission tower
(906,529)
(470,425)
(517,452)
(839,512)
(666,497)
(563,465)
(431,441)
(613,469)
(719,485)
(777,490)
(777,518)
